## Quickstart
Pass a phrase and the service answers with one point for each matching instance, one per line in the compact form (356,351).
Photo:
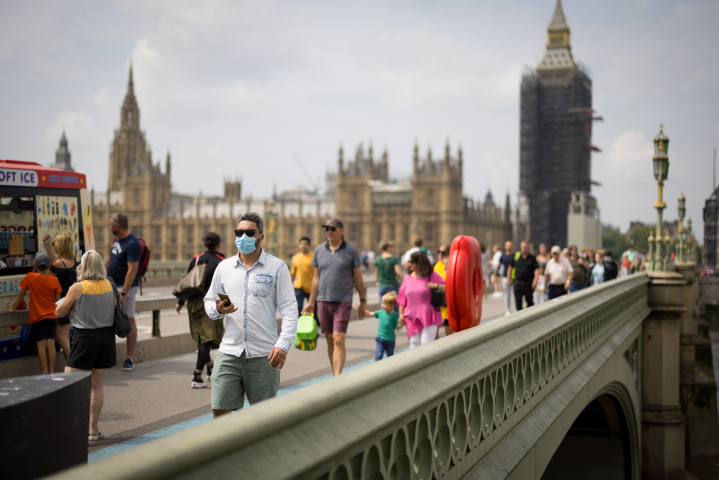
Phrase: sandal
(95,438)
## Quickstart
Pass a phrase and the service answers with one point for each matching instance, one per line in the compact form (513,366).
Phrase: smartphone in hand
(225,299)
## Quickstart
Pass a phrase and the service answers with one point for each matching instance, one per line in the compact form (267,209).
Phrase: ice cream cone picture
(72,209)
(64,208)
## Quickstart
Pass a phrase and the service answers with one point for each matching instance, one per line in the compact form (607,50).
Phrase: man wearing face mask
(251,354)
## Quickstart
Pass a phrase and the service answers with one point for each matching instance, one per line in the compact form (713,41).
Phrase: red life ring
(464,283)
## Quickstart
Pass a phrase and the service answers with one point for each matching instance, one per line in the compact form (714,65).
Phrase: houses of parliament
(429,205)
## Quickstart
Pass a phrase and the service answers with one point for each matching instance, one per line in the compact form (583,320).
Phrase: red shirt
(42,293)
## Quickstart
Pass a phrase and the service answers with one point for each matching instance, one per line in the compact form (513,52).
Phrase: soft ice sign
(17,178)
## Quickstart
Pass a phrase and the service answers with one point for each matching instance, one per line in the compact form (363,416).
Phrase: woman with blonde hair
(62,256)
(92,303)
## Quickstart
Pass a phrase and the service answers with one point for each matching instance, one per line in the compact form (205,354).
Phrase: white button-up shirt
(257,292)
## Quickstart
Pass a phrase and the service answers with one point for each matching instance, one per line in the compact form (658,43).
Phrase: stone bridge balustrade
(494,401)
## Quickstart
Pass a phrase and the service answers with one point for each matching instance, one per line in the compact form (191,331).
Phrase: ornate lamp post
(661,172)
(681,252)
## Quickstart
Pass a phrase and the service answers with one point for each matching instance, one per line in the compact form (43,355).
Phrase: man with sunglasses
(251,354)
(337,270)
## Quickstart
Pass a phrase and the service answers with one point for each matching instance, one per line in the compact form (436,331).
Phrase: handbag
(192,283)
(122,322)
(438,297)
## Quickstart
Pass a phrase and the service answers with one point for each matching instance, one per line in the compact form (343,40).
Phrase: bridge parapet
(457,407)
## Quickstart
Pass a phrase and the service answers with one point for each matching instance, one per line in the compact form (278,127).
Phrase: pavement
(155,399)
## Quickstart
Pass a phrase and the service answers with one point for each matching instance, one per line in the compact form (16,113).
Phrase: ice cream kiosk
(34,201)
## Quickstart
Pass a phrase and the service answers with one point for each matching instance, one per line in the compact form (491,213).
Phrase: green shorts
(232,377)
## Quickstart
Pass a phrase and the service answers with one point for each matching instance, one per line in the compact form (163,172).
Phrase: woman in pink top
(415,301)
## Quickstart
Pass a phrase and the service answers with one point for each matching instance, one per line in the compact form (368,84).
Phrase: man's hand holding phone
(224,306)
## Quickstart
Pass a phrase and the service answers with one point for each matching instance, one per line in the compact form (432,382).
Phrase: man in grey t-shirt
(337,270)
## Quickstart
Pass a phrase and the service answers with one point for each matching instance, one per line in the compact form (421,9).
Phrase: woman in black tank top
(62,255)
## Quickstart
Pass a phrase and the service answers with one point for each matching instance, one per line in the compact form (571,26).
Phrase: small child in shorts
(388,319)
(44,291)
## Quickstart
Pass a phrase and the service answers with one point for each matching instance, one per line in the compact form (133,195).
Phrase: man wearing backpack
(122,267)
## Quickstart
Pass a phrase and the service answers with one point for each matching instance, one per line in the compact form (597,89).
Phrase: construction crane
(314,184)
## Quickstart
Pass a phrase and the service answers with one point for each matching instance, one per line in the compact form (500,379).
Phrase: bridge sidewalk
(156,399)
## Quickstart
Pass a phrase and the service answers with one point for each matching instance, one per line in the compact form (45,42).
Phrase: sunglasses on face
(442,252)
(331,229)
(250,232)
(410,262)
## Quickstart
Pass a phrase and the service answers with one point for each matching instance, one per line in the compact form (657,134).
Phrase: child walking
(44,291)
(388,319)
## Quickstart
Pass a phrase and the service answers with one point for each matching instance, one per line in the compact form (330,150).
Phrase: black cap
(335,222)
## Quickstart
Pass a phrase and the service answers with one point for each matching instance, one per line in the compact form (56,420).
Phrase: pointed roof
(130,84)
(63,140)
(558,23)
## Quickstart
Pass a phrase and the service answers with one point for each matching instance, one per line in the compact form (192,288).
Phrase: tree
(615,241)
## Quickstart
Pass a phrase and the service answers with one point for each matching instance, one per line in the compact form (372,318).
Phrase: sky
(245,88)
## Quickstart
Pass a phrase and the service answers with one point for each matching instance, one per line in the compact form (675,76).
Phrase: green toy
(306,336)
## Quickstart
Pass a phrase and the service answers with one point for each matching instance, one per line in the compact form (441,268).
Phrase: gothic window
(136,196)
(190,235)
(158,235)
(429,232)
(291,235)
(309,233)
(154,198)
(173,235)
(430,197)
(354,198)
(379,232)
(406,233)
(137,231)
(100,236)
(392,232)
(355,232)
(129,117)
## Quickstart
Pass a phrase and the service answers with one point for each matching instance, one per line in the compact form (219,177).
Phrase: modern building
(63,159)
(584,227)
(374,207)
(710,256)
(555,135)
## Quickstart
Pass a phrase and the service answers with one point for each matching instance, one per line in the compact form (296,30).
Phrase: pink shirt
(416,299)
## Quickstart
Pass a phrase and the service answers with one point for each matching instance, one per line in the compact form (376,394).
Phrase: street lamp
(661,173)
(681,246)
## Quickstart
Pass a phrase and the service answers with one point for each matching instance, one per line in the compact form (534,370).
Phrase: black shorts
(64,320)
(45,329)
(92,348)
(445,322)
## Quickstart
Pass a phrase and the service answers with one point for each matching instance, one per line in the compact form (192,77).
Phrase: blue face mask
(607,259)
(245,244)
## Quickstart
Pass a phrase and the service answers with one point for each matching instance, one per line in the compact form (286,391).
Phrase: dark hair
(211,240)
(418,242)
(40,268)
(120,219)
(253,217)
(385,244)
(305,239)
(608,253)
(424,268)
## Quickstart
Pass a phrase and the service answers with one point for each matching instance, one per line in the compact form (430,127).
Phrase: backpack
(144,262)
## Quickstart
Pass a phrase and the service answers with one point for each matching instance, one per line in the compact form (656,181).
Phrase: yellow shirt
(441,268)
(303,270)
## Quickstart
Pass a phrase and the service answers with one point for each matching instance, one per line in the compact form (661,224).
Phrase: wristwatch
(123,294)
(362,300)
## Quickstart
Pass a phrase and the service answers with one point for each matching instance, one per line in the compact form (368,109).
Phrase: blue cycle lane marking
(171,430)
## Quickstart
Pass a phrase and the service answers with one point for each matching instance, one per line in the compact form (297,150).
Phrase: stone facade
(429,205)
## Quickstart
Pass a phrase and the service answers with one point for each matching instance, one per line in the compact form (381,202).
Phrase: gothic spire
(130,84)
(559,23)
(559,51)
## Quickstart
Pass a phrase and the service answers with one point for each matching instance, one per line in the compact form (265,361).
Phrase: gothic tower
(555,135)
(62,155)
(145,189)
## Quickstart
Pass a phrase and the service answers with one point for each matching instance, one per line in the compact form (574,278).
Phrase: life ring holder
(464,285)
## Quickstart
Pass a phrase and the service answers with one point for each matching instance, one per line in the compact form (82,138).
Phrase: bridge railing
(435,411)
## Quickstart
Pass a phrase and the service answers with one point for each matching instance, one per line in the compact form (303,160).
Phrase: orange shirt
(42,293)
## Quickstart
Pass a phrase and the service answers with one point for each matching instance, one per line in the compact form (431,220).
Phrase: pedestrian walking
(600,272)
(540,293)
(63,266)
(628,261)
(92,348)
(558,273)
(504,261)
(301,272)
(337,270)
(418,242)
(611,265)
(496,277)
(388,319)
(206,333)
(251,354)
(387,270)
(44,291)
(441,269)
(415,301)
(486,269)
(122,267)
(526,276)
(580,267)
